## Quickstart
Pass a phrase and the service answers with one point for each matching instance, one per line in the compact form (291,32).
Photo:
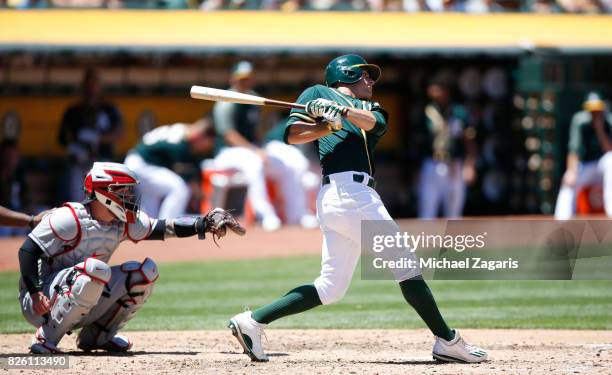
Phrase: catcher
(66,282)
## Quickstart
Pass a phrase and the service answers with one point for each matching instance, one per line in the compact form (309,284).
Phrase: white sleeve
(55,231)
(142,228)
(223,116)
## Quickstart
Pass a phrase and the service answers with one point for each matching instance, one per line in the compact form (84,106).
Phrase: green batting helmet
(349,69)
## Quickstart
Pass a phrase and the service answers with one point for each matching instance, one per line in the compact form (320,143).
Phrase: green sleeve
(461,113)
(223,117)
(380,127)
(277,133)
(575,137)
(296,114)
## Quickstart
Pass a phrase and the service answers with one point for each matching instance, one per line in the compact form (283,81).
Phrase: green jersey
(446,132)
(351,148)
(583,139)
(165,146)
(242,118)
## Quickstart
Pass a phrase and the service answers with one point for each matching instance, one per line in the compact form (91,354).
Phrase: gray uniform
(84,290)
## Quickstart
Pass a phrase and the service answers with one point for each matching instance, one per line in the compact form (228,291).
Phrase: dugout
(148,61)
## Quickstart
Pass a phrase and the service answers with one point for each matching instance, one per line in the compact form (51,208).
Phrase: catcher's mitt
(217,222)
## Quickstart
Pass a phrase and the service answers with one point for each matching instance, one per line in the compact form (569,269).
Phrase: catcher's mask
(114,185)
(349,69)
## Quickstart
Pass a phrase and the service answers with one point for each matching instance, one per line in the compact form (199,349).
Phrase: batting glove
(340,108)
(333,117)
(315,108)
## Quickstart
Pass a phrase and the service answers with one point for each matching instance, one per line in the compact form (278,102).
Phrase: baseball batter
(589,159)
(66,282)
(160,152)
(346,125)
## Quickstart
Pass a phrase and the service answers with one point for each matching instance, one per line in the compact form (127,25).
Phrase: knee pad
(74,297)
(87,283)
(139,281)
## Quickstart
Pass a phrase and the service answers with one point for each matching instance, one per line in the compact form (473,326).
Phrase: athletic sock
(418,295)
(298,300)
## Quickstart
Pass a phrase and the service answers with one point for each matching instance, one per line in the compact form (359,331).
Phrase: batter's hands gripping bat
(217,95)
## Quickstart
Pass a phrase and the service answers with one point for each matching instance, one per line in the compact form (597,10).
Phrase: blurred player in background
(157,158)
(238,147)
(291,169)
(589,158)
(450,150)
(13,186)
(89,131)
(12,177)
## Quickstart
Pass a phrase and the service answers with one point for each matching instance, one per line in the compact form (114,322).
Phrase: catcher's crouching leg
(75,295)
(133,282)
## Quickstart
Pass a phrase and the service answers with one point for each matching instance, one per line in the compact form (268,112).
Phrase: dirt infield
(342,352)
(313,351)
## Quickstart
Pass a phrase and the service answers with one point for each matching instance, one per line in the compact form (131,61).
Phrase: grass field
(205,295)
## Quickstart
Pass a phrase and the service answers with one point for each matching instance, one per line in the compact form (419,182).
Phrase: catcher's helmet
(593,102)
(114,185)
(349,69)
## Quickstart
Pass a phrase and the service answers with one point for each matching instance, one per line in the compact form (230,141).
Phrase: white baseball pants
(252,167)
(341,206)
(286,165)
(441,184)
(588,173)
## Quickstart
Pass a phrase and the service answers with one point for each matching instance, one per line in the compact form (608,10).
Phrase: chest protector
(94,239)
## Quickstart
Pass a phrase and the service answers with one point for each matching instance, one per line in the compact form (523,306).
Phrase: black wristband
(200,226)
(185,226)
(159,231)
(31,222)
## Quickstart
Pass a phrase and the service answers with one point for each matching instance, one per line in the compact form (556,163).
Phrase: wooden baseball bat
(217,95)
